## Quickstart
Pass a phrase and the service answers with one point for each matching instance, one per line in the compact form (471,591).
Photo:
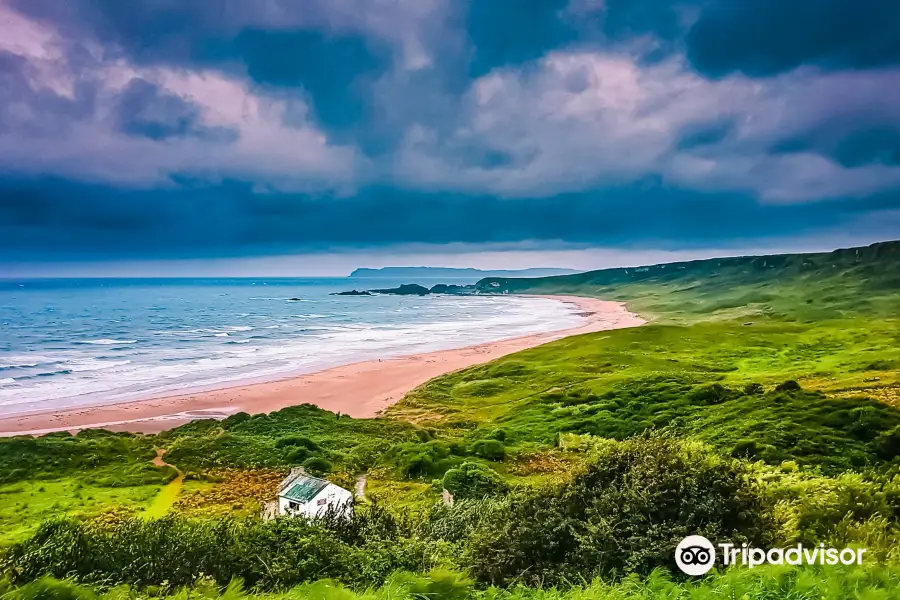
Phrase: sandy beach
(360,389)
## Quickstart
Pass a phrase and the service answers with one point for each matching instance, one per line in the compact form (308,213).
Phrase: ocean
(86,342)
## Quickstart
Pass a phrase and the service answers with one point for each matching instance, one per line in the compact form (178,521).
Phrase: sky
(309,138)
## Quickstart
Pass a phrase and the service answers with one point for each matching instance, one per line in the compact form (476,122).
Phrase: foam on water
(88,343)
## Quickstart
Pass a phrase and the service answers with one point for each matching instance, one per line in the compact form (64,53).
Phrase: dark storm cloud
(761,38)
(852,149)
(333,67)
(705,134)
(40,112)
(234,127)
(333,70)
(511,33)
(143,109)
(38,221)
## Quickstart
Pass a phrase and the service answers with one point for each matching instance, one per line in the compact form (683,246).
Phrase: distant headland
(412,273)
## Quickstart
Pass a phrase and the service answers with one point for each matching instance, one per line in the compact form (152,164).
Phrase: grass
(782,583)
(795,287)
(165,499)
(282,439)
(621,383)
(725,335)
(23,505)
(86,475)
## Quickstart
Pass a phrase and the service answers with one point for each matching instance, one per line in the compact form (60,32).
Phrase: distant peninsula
(414,289)
(413,273)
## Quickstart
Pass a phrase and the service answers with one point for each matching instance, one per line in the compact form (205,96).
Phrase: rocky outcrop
(414,289)
(407,289)
(443,288)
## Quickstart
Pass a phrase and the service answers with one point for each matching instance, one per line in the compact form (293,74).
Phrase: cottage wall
(330,495)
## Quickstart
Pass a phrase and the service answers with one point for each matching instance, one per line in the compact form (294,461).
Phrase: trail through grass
(165,499)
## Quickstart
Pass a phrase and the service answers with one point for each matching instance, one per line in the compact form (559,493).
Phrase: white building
(302,494)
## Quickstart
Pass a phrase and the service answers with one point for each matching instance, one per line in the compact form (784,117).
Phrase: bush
(25,457)
(296,440)
(174,551)
(297,454)
(788,386)
(425,459)
(714,393)
(472,480)
(317,464)
(753,389)
(489,449)
(888,444)
(745,449)
(236,419)
(624,514)
(499,435)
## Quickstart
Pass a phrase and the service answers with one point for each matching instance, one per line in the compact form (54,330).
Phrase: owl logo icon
(695,555)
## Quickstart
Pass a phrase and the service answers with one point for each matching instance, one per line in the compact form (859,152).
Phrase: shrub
(714,393)
(297,454)
(174,551)
(788,386)
(296,440)
(489,449)
(753,389)
(624,514)
(317,464)
(745,449)
(472,480)
(888,444)
(425,459)
(235,419)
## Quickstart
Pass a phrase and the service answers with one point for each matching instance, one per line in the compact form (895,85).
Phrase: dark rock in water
(407,289)
(293,299)
(414,289)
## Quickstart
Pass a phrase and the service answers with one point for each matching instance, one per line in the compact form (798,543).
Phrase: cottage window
(321,501)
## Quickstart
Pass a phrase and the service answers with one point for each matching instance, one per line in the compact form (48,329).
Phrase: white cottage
(302,494)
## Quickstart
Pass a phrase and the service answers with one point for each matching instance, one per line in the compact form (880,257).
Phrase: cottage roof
(304,488)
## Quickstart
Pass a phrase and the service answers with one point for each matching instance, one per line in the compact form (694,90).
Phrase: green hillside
(853,281)
(761,404)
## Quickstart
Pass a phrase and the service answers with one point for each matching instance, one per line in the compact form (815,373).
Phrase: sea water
(85,342)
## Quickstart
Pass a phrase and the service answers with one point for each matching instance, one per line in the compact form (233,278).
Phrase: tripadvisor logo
(696,555)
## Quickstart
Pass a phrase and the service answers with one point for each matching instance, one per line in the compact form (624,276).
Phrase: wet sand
(361,389)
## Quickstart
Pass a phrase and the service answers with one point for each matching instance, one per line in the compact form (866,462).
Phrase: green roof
(304,488)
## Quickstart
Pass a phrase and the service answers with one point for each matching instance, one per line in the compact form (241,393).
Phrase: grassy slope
(61,474)
(95,471)
(618,384)
(830,321)
(827,321)
(805,287)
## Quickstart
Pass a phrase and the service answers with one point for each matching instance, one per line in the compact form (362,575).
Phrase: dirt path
(167,496)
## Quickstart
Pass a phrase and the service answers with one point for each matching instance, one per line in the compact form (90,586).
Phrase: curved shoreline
(360,389)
